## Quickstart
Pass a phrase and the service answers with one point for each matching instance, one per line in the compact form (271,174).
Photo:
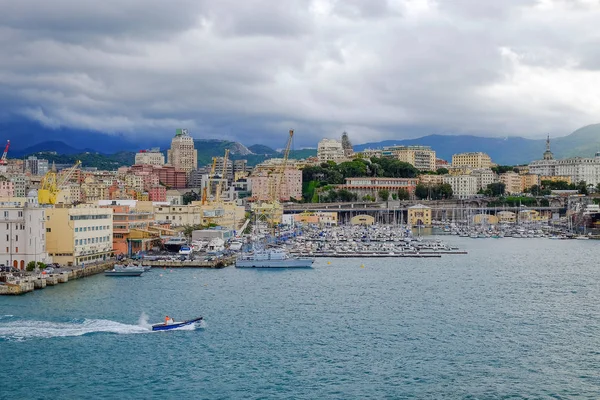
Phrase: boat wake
(27,329)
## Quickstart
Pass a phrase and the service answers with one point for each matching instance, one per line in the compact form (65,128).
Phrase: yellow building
(506,217)
(77,235)
(362,220)
(556,178)
(474,160)
(431,180)
(512,182)
(226,214)
(531,216)
(419,215)
(421,157)
(529,180)
(485,219)
(317,218)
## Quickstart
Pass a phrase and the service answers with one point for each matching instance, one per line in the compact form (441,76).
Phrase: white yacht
(272,258)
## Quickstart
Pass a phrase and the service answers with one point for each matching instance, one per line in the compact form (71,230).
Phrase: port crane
(209,183)
(3,159)
(51,185)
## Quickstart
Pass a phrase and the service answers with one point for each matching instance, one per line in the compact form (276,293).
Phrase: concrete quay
(28,283)
(219,263)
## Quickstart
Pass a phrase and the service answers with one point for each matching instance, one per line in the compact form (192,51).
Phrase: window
(16,249)
(7,238)
(17,238)
(5,214)
(20,213)
(76,242)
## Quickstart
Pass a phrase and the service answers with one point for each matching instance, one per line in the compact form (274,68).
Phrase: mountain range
(30,138)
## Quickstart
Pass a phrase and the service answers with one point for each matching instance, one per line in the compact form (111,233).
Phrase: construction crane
(3,159)
(209,183)
(51,186)
(223,176)
(276,196)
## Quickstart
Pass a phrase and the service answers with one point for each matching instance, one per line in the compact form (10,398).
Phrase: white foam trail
(46,329)
(143,321)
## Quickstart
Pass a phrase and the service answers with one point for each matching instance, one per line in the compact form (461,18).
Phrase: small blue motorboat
(170,324)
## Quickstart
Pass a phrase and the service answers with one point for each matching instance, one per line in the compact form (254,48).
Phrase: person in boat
(168,320)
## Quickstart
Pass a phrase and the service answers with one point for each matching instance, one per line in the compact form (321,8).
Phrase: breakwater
(221,262)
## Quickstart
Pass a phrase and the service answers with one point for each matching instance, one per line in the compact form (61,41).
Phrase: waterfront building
(363,186)
(484,177)
(131,232)
(182,155)
(476,160)
(362,219)
(506,217)
(529,180)
(150,157)
(22,232)
(531,216)
(419,215)
(330,150)
(463,186)
(321,218)
(178,215)
(512,182)
(421,157)
(79,234)
(485,219)
(35,166)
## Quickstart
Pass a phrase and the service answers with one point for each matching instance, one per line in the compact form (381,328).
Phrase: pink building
(157,193)
(7,189)
(263,182)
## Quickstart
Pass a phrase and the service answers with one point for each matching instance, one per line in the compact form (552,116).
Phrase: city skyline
(377,69)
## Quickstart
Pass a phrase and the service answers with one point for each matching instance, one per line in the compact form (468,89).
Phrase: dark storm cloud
(376,68)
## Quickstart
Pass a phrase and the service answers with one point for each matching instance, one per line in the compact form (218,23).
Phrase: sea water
(515,318)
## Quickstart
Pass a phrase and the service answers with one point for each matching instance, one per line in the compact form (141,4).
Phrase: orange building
(131,232)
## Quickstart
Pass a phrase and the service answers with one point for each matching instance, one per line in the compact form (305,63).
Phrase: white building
(484,177)
(580,169)
(330,150)
(22,232)
(463,186)
(150,157)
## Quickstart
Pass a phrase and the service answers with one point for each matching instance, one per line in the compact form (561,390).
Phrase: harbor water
(515,318)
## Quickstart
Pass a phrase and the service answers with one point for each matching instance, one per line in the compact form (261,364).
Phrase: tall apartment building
(529,180)
(463,186)
(20,184)
(421,157)
(22,232)
(474,160)
(79,235)
(150,157)
(36,166)
(484,177)
(330,150)
(264,183)
(512,182)
(182,155)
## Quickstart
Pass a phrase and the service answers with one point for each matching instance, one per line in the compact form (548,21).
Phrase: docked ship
(174,244)
(272,258)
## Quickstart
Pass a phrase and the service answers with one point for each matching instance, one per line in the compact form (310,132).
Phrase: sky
(250,70)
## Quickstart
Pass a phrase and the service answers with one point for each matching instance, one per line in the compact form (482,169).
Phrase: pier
(219,263)
(29,283)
